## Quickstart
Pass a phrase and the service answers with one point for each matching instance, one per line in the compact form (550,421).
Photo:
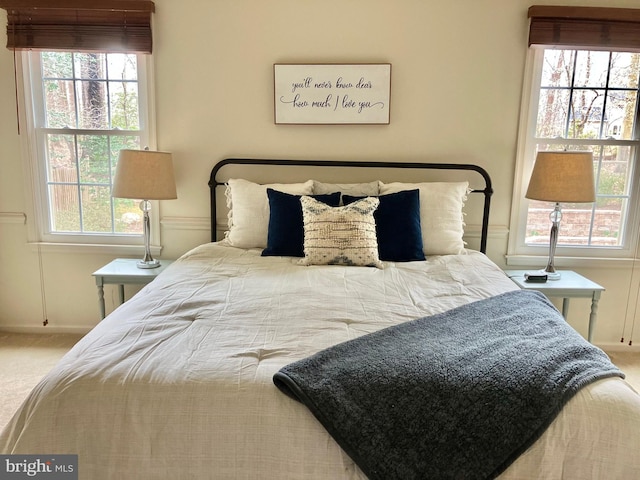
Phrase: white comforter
(177,382)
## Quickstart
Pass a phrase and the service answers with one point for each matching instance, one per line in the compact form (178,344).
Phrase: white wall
(456,85)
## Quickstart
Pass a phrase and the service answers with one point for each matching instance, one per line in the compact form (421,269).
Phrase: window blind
(593,27)
(79,25)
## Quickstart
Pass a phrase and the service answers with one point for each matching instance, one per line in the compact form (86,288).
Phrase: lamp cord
(633,325)
(635,310)
(15,83)
(43,295)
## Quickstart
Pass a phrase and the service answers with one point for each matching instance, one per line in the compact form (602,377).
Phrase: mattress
(177,382)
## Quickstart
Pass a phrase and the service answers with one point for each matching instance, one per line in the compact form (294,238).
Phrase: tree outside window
(588,100)
(90,111)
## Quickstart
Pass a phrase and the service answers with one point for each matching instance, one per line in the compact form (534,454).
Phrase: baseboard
(607,347)
(619,347)
(45,330)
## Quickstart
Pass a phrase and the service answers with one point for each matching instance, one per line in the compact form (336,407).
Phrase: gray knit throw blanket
(458,395)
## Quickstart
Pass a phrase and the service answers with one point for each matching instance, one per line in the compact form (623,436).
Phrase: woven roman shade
(79,25)
(592,27)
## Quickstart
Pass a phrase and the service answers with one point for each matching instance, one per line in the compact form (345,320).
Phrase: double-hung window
(87,95)
(582,92)
(86,106)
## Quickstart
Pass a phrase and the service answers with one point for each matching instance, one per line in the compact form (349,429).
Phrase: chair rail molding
(13,217)
(187,223)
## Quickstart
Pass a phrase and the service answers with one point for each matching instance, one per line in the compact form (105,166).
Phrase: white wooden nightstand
(123,271)
(570,285)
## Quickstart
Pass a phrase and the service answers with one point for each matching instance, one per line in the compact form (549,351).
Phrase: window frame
(518,252)
(33,145)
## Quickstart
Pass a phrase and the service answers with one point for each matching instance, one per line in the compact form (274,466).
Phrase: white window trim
(519,254)
(35,174)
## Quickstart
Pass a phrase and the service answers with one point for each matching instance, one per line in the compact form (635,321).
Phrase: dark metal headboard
(487,191)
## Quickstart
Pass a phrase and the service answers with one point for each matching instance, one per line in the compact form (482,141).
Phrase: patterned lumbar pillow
(340,235)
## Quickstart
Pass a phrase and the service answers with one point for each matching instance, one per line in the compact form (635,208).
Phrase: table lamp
(145,175)
(565,176)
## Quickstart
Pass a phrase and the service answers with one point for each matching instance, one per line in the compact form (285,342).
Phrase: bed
(178,382)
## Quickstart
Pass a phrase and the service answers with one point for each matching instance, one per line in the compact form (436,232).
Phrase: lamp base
(148,263)
(552,275)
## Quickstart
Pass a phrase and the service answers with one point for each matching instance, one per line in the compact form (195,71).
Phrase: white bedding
(177,382)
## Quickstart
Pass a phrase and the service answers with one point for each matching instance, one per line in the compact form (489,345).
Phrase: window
(87,94)
(588,100)
(87,106)
(581,98)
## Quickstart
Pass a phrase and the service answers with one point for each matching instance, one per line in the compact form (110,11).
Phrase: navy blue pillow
(397,226)
(285,236)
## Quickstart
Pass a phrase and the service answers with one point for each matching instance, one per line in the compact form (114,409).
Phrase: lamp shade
(565,177)
(144,175)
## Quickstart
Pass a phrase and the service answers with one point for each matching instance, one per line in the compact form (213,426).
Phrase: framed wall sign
(332,93)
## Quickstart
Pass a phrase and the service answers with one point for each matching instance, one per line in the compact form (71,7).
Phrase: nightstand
(123,271)
(570,285)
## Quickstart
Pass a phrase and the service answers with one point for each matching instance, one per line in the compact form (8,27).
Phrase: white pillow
(340,235)
(441,217)
(354,189)
(249,210)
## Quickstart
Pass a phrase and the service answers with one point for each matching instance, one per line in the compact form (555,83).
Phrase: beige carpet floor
(26,358)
